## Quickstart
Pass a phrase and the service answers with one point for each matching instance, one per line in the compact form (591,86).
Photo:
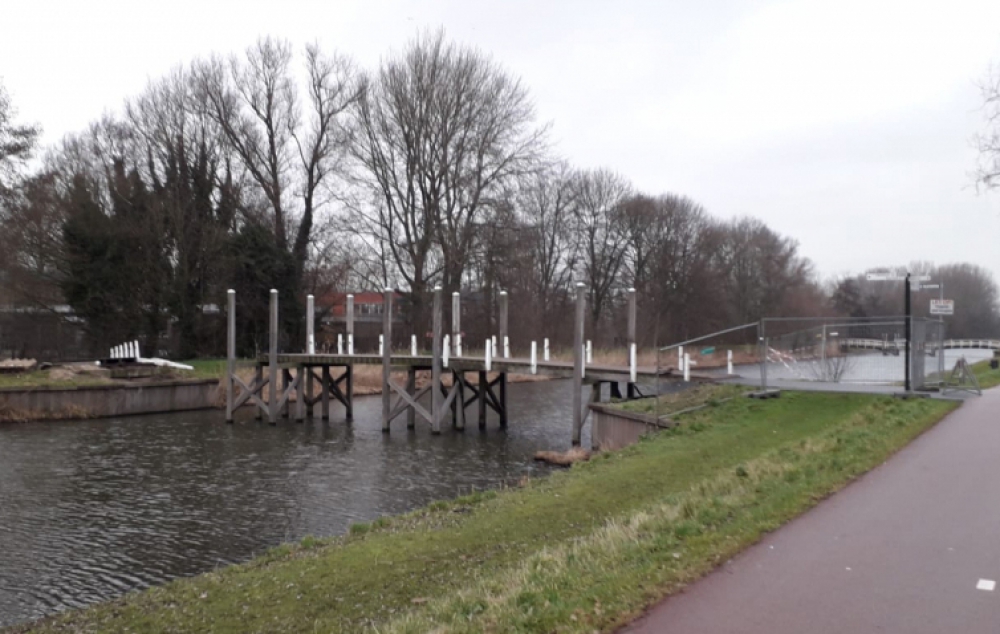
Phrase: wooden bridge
(474,380)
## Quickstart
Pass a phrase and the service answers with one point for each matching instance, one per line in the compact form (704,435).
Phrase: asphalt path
(910,547)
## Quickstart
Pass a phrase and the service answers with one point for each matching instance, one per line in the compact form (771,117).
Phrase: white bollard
(632,369)
(111,353)
(458,345)
(137,354)
(413,345)
(687,367)
(545,349)
(506,347)
(350,344)
(729,361)
(680,357)
(312,344)
(590,352)
(534,357)
(493,341)
(489,355)
(340,344)
(445,350)
(381,350)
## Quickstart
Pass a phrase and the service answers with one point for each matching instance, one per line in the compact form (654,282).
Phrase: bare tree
(602,241)
(289,155)
(545,203)
(987,172)
(443,128)
(17,141)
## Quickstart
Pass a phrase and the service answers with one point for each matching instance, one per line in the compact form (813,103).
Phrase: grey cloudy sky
(844,124)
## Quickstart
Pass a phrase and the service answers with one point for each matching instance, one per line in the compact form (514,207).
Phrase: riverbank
(583,550)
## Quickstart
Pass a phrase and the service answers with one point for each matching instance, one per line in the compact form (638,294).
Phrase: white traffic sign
(885,277)
(942,307)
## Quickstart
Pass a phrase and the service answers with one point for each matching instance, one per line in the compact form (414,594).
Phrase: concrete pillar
(578,366)
(310,325)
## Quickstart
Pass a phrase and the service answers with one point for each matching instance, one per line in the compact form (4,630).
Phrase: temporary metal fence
(780,351)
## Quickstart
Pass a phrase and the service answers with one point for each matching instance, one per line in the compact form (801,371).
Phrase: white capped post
(311,325)
(545,349)
(729,361)
(458,344)
(489,355)
(137,353)
(456,322)
(687,367)
(350,344)
(632,370)
(340,343)
(590,352)
(493,342)
(413,345)
(534,357)
(381,345)
(350,324)
(506,347)
(445,350)
(680,357)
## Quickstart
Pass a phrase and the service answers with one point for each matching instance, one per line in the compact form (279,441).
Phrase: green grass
(987,378)
(708,394)
(583,550)
(204,368)
(40,378)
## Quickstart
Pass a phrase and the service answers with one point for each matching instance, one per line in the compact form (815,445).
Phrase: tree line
(300,171)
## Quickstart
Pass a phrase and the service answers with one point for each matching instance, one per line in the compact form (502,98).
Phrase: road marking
(986,584)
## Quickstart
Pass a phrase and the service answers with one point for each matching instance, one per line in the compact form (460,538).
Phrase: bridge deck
(512,365)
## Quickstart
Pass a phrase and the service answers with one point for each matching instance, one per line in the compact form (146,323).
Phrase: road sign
(942,307)
(926,287)
(885,277)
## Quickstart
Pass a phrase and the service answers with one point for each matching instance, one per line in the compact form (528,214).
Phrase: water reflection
(93,509)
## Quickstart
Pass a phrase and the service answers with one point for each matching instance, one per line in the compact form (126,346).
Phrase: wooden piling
(258,378)
(386,358)
(458,379)
(349,391)
(230,351)
(300,392)
(310,325)
(503,326)
(630,388)
(456,324)
(578,368)
(272,361)
(350,324)
(436,412)
(411,388)
(325,387)
(483,388)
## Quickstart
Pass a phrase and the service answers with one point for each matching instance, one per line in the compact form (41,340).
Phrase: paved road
(900,550)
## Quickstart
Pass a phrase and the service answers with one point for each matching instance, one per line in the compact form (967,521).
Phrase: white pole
(458,345)
(583,366)
(632,363)
(729,361)
(493,340)
(340,344)
(111,353)
(590,352)
(687,367)
(350,344)
(137,355)
(311,325)
(506,347)
(680,357)
(381,344)
(445,350)
(413,345)
(534,357)
(489,355)
(545,349)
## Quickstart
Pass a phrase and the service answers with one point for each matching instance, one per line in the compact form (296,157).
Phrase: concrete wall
(615,428)
(107,400)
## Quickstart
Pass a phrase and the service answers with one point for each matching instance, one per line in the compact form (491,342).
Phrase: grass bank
(987,378)
(581,551)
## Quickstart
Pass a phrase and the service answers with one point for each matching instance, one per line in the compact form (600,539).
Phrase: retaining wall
(614,428)
(98,401)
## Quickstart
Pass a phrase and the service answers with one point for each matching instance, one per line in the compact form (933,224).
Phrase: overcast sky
(844,124)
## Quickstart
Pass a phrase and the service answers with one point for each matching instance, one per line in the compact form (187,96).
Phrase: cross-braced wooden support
(339,388)
(489,394)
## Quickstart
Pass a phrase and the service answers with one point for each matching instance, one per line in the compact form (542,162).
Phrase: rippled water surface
(93,509)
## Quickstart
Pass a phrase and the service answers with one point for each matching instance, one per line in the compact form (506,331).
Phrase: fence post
(534,357)
(630,388)
(386,356)
(729,362)
(687,367)
(489,355)
(413,345)
(578,367)
(545,349)
(230,351)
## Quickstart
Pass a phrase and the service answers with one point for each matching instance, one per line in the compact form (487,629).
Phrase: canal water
(90,510)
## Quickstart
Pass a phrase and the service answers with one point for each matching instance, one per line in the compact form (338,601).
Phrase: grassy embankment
(583,550)
(987,378)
